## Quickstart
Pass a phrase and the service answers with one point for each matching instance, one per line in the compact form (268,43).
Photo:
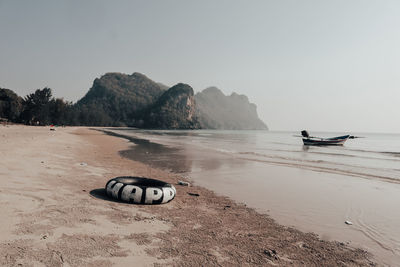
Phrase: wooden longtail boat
(318,141)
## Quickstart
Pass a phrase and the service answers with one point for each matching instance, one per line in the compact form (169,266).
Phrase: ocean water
(312,188)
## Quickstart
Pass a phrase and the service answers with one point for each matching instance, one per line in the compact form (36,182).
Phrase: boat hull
(335,141)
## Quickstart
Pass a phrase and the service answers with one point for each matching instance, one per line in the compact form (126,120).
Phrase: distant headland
(118,99)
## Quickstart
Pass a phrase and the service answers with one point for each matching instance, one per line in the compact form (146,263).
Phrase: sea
(312,188)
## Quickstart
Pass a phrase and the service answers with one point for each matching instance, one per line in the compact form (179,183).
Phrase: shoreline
(223,198)
(205,230)
(308,200)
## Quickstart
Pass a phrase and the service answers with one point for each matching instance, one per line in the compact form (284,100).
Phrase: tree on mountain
(61,112)
(37,107)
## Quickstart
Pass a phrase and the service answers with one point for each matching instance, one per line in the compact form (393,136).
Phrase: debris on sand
(348,222)
(183,183)
(271,253)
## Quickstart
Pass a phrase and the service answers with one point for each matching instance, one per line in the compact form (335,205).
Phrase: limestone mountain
(117,99)
(121,98)
(218,111)
(175,109)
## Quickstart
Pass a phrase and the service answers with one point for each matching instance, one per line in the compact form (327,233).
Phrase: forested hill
(117,99)
(121,98)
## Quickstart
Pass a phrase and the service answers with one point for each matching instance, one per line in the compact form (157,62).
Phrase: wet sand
(310,199)
(55,213)
(320,203)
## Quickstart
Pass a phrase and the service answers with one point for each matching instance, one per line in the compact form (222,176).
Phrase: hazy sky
(317,65)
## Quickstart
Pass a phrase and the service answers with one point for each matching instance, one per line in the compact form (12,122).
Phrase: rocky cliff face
(175,109)
(218,111)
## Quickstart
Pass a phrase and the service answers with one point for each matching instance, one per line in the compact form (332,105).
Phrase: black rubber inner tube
(140,190)
(140,181)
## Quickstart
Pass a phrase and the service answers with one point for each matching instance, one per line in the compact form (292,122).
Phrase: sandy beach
(55,213)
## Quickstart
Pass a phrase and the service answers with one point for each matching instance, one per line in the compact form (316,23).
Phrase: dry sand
(55,213)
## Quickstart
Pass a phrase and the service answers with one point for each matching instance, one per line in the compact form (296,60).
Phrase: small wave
(337,155)
(353,156)
(225,150)
(395,154)
(337,168)
(392,153)
(375,235)
(318,161)
(283,143)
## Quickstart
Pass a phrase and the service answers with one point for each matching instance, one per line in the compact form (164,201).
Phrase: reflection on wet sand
(155,155)
(178,159)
